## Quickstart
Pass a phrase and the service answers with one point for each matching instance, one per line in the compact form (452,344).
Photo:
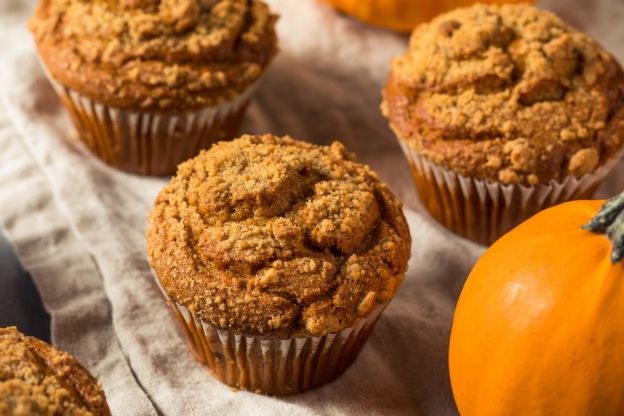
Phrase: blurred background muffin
(151,82)
(503,111)
(278,257)
(402,15)
(38,379)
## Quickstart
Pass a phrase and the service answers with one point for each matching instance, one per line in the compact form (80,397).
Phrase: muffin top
(155,55)
(38,379)
(507,93)
(273,236)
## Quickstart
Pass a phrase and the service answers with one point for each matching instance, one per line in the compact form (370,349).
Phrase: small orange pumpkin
(539,325)
(401,15)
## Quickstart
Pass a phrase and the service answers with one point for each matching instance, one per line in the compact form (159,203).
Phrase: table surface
(20,303)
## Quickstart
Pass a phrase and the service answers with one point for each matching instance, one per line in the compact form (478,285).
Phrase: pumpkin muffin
(503,111)
(151,82)
(277,257)
(38,379)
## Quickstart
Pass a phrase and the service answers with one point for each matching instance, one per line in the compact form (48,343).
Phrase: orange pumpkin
(539,325)
(402,15)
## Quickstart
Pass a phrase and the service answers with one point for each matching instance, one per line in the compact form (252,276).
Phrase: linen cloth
(78,226)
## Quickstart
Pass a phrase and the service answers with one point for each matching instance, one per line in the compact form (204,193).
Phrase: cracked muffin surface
(268,235)
(156,55)
(38,379)
(507,93)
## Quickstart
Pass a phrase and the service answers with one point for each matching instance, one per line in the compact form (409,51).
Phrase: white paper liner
(147,142)
(271,365)
(483,211)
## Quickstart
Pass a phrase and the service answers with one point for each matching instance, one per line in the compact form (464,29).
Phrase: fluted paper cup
(271,365)
(483,211)
(149,143)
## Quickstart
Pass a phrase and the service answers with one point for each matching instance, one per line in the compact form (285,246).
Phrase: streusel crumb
(38,379)
(508,93)
(156,55)
(269,235)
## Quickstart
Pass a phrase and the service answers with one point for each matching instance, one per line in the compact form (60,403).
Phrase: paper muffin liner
(149,143)
(271,365)
(483,211)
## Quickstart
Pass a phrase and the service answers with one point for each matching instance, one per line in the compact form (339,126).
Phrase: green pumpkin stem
(610,221)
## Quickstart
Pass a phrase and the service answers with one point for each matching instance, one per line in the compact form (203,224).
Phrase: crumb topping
(37,379)
(508,93)
(269,235)
(156,54)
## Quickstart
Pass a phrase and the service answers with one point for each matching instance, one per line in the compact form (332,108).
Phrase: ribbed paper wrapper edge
(483,211)
(271,365)
(150,143)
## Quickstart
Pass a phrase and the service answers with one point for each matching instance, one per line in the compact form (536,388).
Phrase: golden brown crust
(38,379)
(273,236)
(155,55)
(507,93)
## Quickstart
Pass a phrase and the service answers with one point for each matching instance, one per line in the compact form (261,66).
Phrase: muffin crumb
(583,161)
(522,158)
(493,162)
(508,176)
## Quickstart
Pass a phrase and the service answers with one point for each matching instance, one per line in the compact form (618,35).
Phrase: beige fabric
(78,226)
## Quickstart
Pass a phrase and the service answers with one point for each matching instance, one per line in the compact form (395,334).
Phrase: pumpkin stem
(610,221)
